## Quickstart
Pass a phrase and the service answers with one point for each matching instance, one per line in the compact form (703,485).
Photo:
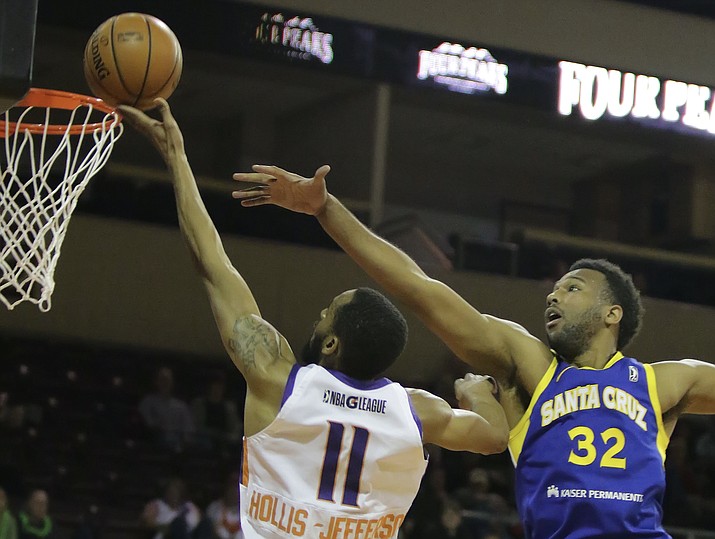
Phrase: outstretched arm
(488,344)
(253,344)
(480,428)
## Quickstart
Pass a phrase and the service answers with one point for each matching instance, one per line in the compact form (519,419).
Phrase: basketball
(131,59)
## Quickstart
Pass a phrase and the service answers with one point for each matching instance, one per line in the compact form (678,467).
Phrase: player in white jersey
(331,449)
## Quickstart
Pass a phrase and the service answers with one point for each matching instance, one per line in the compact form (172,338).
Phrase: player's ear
(330,346)
(614,314)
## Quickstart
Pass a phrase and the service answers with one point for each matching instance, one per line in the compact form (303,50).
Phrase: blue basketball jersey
(589,453)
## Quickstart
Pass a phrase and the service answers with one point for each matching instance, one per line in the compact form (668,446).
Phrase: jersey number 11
(355,462)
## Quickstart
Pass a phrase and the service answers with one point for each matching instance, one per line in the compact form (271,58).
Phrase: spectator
(10,450)
(478,495)
(34,521)
(682,485)
(172,516)
(450,524)
(224,512)
(426,509)
(12,417)
(216,418)
(165,415)
(705,445)
(8,524)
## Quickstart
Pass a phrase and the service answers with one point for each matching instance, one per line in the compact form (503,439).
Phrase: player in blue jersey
(589,427)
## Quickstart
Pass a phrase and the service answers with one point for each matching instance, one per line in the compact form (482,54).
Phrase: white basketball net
(42,178)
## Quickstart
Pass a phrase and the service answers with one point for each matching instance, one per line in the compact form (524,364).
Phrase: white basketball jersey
(343,459)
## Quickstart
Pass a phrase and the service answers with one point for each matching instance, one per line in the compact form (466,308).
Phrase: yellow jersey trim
(518,433)
(610,363)
(662,439)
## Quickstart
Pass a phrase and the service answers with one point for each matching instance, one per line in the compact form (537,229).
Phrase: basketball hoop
(54,143)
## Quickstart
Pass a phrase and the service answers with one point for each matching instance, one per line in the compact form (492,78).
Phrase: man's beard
(574,339)
(311,351)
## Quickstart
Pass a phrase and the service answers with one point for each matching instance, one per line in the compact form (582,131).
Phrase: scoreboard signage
(567,88)
(463,70)
(297,37)
(595,92)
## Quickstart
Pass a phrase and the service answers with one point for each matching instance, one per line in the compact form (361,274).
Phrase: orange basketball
(132,59)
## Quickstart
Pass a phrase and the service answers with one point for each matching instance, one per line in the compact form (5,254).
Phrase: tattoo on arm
(251,338)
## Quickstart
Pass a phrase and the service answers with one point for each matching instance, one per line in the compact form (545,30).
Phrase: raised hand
(285,189)
(165,135)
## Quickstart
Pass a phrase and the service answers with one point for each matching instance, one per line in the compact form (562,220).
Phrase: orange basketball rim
(58,99)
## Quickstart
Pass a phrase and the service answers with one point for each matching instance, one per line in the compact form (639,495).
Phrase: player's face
(575,311)
(323,327)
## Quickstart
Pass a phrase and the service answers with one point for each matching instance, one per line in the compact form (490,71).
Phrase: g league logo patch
(632,374)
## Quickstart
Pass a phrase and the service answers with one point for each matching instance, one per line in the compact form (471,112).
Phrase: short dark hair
(621,291)
(373,334)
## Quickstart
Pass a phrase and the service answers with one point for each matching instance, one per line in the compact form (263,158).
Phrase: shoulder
(675,371)
(418,394)
(627,363)
(259,348)
(676,364)
(674,378)
(433,413)
(7,515)
(429,407)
